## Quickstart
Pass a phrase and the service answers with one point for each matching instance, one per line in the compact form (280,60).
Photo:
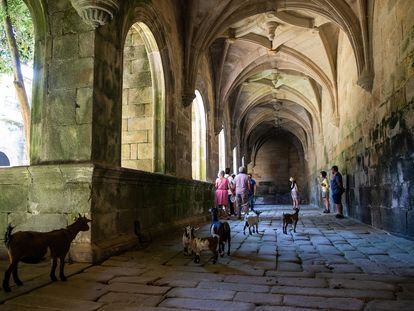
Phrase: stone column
(62,117)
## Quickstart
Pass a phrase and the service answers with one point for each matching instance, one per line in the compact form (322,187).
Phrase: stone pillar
(62,117)
(77,120)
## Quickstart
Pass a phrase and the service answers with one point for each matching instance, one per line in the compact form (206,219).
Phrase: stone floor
(328,264)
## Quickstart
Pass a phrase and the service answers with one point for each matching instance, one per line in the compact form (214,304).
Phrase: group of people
(335,187)
(235,193)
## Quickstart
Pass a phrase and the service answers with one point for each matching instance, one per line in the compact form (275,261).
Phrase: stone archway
(143,103)
(199,138)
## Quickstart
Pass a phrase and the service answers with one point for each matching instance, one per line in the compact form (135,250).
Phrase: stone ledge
(48,197)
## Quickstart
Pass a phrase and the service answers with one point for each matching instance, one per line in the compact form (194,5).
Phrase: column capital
(96,12)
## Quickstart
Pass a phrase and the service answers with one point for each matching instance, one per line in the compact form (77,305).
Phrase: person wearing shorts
(325,191)
(294,192)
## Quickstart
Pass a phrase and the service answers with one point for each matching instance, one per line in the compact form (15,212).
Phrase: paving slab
(185,303)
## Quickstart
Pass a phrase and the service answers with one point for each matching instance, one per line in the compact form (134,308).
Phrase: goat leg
(62,268)
(6,280)
(221,248)
(53,269)
(294,226)
(215,257)
(16,276)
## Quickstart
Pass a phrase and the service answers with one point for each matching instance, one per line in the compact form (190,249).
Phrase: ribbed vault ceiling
(275,64)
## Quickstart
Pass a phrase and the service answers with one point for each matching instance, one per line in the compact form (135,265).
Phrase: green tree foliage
(23,31)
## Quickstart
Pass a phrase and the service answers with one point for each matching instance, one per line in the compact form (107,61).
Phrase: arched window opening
(4,160)
(143,102)
(222,150)
(199,138)
(16,102)
(235,160)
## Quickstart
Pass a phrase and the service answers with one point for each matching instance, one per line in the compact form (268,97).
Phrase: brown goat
(31,247)
(290,219)
(198,245)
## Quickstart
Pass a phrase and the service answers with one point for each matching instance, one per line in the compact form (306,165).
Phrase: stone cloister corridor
(136,106)
(327,264)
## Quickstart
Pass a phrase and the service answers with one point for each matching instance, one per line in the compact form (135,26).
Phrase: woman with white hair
(222,188)
(294,192)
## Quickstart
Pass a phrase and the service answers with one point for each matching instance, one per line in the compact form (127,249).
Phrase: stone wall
(137,105)
(49,197)
(374,143)
(276,161)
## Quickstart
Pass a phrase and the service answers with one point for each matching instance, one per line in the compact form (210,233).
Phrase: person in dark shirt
(337,189)
(252,191)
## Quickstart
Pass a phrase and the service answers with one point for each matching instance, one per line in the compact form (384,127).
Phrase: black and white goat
(221,230)
(194,245)
(251,221)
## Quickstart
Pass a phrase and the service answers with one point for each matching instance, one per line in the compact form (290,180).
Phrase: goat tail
(8,236)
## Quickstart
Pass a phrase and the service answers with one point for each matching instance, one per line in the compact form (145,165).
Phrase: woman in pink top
(222,187)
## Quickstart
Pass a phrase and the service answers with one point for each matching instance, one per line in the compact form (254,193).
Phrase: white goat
(252,221)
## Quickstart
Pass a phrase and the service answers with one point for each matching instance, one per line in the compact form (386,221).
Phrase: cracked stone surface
(327,264)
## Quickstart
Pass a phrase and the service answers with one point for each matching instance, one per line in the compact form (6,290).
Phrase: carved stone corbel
(96,12)
(366,80)
(188,98)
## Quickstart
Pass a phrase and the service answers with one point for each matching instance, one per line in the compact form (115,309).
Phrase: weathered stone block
(134,152)
(13,198)
(136,124)
(38,222)
(86,44)
(61,108)
(66,47)
(145,151)
(77,196)
(72,23)
(138,65)
(70,142)
(76,73)
(58,6)
(143,95)
(135,137)
(83,105)
(125,152)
